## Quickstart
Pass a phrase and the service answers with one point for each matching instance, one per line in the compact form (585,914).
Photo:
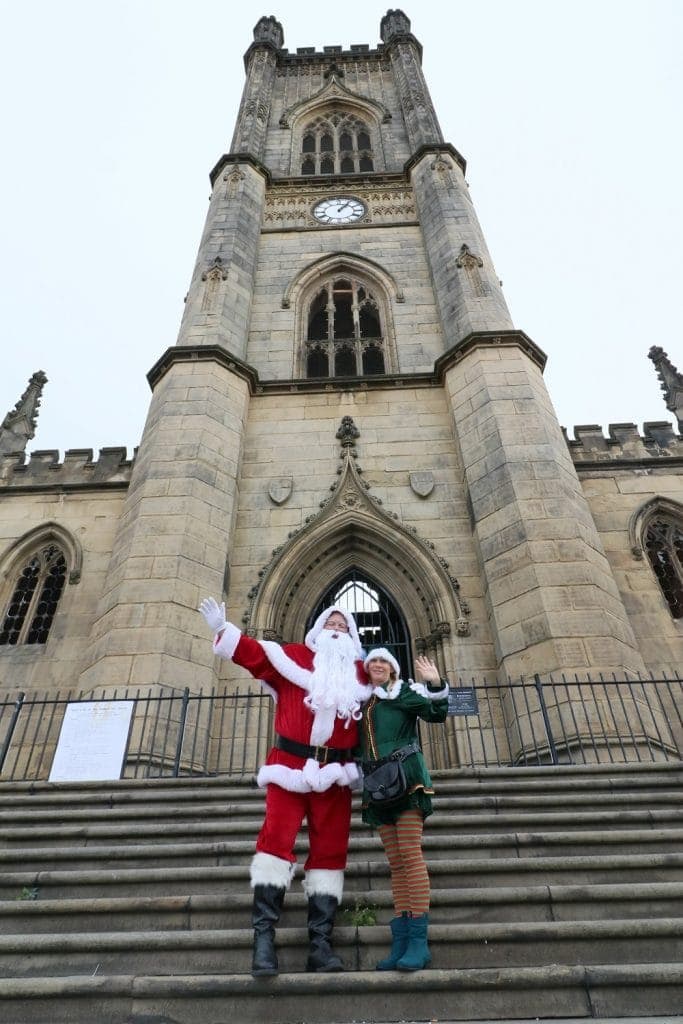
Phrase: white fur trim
(291,779)
(390,694)
(226,644)
(430,694)
(269,870)
(323,882)
(285,666)
(322,619)
(312,778)
(385,655)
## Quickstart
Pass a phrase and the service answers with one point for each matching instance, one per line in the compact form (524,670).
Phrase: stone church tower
(349,410)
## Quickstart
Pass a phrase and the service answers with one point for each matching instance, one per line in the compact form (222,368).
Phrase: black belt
(396,755)
(324,755)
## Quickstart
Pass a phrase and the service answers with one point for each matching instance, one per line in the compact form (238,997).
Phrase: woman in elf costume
(389,725)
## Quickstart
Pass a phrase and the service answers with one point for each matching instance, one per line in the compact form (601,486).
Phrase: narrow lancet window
(664,546)
(35,595)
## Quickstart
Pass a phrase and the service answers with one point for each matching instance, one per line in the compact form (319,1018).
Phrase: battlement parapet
(624,443)
(79,470)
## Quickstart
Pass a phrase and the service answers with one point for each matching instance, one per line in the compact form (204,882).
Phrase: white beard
(334,691)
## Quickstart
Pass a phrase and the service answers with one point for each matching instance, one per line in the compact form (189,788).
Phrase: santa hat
(385,655)
(319,623)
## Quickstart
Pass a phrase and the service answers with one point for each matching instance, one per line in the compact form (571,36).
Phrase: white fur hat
(385,655)
(322,619)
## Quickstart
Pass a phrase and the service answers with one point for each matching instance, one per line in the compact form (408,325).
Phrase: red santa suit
(305,783)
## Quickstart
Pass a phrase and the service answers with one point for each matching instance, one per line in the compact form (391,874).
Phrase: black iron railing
(173,733)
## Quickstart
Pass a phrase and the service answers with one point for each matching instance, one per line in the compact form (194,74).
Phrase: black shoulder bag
(385,781)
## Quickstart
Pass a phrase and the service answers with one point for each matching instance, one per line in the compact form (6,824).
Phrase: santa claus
(319,688)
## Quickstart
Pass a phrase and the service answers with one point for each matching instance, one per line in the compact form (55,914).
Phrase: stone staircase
(557,892)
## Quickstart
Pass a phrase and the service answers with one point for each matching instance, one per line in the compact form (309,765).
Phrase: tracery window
(379,621)
(344,335)
(36,590)
(664,546)
(336,144)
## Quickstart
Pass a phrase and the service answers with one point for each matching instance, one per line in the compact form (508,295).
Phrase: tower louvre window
(344,335)
(31,607)
(664,546)
(336,144)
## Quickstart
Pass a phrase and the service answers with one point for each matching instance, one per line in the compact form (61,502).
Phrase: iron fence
(175,733)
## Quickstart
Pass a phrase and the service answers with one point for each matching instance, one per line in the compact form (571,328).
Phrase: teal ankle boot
(399,942)
(417,954)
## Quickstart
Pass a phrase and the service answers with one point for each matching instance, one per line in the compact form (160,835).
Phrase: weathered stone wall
(276,333)
(301,77)
(614,498)
(551,594)
(292,436)
(92,516)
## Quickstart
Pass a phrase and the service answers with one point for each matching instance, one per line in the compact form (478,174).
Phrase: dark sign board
(462,700)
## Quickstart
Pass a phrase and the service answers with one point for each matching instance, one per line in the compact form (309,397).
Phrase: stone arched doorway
(379,619)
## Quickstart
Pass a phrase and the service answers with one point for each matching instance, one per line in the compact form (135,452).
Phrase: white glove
(214,614)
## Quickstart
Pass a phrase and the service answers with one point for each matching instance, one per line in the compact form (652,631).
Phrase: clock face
(339,210)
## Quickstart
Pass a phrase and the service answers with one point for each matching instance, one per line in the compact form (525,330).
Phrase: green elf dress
(390,722)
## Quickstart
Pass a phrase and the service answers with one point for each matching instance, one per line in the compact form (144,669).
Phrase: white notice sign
(92,742)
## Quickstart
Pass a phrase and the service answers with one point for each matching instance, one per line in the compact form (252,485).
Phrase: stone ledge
(489,339)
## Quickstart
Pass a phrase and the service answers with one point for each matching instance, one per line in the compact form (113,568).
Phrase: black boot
(266,912)
(321,956)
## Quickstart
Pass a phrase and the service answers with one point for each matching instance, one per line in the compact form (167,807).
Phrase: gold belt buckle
(321,754)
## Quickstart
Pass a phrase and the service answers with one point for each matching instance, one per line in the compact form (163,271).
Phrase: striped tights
(402,844)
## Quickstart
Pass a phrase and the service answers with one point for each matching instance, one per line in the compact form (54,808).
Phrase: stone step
(91,853)
(453,946)
(363,877)
(599,990)
(53,834)
(571,779)
(132,807)
(448,906)
(533,870)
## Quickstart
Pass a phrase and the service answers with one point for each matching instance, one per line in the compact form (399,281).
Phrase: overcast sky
(568,114)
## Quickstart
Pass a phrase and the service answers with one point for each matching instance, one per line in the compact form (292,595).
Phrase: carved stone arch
(301,291)
(341,260)
(45,533)
(333,98)
(334,95)
(640,519)
(353,531)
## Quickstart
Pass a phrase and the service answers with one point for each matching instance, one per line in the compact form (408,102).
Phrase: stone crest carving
(279,489)
(422,483)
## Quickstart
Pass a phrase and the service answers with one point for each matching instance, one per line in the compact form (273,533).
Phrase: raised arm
(230,643)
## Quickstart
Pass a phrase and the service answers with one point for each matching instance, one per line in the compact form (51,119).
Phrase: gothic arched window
(337,143)
(379,621)
(34,593)
(663,542)
(344,336)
